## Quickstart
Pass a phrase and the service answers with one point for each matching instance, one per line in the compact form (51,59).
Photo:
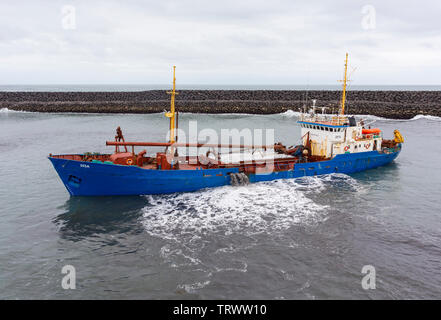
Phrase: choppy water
(305,238)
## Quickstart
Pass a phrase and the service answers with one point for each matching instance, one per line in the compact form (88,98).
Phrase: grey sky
(219,42)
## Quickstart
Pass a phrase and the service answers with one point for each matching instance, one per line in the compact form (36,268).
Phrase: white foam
(176,257)
(290,113)
(194,287)
(370,117)
(417,117)
(188,221)
(336,179)
(426,117)
(6,110)
(255,208)
(242,268)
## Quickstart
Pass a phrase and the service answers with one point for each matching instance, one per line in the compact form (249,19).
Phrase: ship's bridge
(328,135)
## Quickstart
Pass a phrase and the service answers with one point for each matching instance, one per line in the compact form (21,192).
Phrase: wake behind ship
(330,144)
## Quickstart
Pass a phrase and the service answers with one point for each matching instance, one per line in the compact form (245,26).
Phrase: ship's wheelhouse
(345,136)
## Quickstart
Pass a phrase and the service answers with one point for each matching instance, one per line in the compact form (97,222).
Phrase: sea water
(305,238)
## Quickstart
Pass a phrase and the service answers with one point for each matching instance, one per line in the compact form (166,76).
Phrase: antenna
(307,89)
(345,80)
(172,113)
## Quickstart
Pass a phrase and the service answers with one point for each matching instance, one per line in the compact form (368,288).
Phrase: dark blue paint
(99,179)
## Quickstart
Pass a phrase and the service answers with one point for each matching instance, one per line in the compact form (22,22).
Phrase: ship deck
(195,163)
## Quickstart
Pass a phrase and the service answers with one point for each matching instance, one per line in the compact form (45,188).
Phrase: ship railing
(197,146)
(335,120)
(372,136)
(216,159)
(190,145)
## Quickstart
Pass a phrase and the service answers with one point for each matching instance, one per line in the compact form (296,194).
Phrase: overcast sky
(219,42)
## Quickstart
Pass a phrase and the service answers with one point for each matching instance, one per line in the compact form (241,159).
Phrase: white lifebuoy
(346,148)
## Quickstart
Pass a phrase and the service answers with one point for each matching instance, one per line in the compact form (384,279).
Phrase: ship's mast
(172,113)
(343,98)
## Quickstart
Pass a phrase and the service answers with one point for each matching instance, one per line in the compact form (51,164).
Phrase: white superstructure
(330,135)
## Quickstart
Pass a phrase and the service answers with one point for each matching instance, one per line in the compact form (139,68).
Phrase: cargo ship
(330,143)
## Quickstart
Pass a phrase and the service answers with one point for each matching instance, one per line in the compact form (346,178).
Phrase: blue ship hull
(101,179)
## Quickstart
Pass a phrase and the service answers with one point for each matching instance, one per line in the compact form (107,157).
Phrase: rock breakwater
(388,104)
